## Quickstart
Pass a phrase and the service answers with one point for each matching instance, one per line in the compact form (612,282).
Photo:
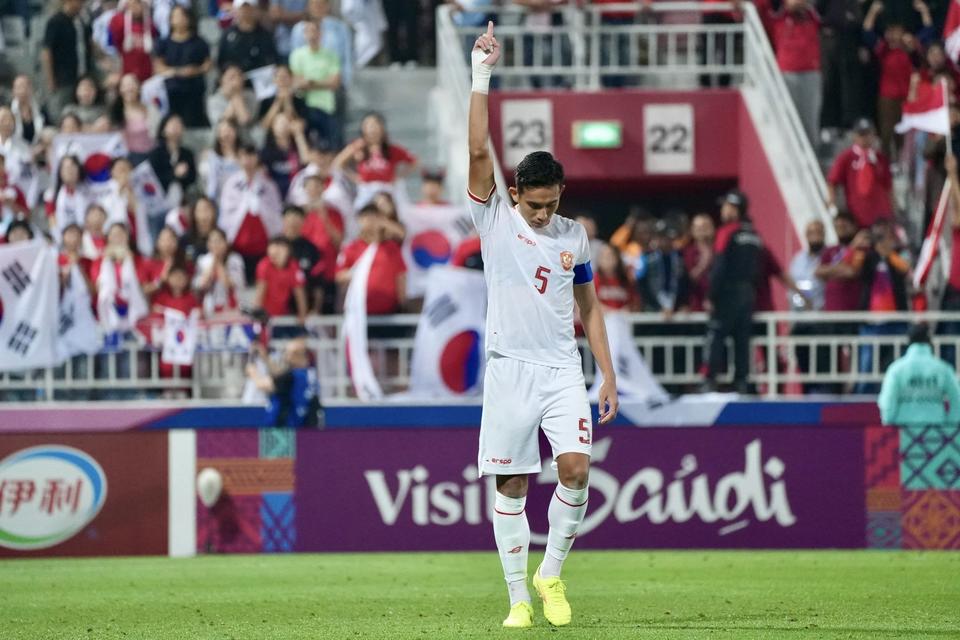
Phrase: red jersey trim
(480,200)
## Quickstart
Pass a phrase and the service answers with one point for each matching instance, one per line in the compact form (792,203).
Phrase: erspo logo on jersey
(730,501)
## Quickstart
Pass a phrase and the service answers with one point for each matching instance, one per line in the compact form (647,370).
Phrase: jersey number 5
(585,427)
(542,277)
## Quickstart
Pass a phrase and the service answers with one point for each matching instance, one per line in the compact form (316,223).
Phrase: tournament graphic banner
(83,495)
(28,306)
(756,487)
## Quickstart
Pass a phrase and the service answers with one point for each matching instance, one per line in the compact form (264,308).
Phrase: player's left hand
(609,402)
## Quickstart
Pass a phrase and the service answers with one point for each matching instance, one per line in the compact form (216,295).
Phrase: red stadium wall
(726,150)
(715,134)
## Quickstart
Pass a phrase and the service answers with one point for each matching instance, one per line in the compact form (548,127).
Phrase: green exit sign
(597,134)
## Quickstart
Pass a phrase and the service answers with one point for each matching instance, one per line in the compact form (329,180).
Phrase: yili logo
(47,495)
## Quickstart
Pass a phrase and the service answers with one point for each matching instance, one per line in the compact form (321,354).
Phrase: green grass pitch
(622,594)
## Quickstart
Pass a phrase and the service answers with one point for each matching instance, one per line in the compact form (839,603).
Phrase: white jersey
(530,275)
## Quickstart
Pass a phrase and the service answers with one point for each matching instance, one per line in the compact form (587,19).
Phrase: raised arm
(485,54)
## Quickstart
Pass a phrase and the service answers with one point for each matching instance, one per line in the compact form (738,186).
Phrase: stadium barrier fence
(790,354)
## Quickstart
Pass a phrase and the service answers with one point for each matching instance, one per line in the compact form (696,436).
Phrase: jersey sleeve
(582,269)
(483,210)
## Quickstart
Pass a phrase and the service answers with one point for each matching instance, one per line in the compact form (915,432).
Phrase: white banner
(448,352)
(355,329)
(28,306)
(77,331)
(433,234)
(179,337)
(262,80)
(634,379)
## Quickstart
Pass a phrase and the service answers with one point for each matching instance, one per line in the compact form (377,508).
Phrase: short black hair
(248,147)
(919,334)
(368,209)
(280,240)
(846,215)
(294,209)
(538,169)
(19,224)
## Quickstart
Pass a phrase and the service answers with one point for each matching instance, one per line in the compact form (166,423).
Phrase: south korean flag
(28,306)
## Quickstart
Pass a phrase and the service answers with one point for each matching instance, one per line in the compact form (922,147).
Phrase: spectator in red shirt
(70,255)
(167,253)
(896,53)
(387,286)
(698,259)
(795,33)
(280,283)
(770,267)
(175,295)
(372,161)
(133,34)
(864,174)
(324,228)
(614,289)
(840,267)
(94,238)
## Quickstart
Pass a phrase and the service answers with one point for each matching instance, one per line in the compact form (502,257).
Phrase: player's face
(538,204)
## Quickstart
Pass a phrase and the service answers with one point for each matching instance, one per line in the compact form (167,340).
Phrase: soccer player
(536,264)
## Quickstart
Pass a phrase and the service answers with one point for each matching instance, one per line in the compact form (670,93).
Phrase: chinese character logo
(48,494)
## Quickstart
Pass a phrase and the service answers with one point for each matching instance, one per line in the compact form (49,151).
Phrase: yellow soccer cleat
(552,591)
(521,616)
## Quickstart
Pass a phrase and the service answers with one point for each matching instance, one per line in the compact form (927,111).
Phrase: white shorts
(519,397)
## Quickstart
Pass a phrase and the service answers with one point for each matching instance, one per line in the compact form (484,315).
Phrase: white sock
(567,508)
(512,532)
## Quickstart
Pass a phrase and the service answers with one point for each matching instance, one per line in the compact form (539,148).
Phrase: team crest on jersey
(566,260)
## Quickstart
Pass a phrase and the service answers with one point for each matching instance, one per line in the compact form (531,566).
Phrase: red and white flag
(931,242)
(951,31)
(928,111)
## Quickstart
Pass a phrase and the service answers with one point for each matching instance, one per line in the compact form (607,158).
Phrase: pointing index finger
(490,28)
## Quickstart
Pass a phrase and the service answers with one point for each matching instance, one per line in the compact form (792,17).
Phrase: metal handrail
(673,348)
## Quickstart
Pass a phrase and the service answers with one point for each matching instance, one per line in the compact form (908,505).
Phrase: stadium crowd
(272,201)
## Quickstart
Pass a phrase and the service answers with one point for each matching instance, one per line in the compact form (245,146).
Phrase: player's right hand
(486,50)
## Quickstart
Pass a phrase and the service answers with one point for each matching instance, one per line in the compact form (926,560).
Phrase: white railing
(586,54)
(785,142)
(828,352)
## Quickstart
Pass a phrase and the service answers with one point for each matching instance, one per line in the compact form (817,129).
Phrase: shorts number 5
(585,427)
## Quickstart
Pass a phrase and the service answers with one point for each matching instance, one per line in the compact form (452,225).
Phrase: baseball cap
(863,125)
(737,198)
